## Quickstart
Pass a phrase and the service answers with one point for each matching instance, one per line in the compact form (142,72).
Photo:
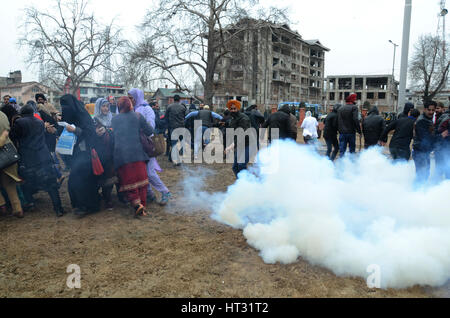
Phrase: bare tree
(185,39)
(68,42)
(429,66)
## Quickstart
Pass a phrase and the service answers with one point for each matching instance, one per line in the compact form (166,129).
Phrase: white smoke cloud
(345,217)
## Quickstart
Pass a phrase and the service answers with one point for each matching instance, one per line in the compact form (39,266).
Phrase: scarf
(105,120)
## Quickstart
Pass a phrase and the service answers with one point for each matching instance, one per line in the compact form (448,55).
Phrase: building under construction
(271,64)
(378,90)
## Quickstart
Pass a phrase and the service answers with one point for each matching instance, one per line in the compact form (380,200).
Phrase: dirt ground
(171,253)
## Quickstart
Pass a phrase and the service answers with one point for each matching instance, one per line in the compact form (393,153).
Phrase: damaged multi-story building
(271,64)
(378,90)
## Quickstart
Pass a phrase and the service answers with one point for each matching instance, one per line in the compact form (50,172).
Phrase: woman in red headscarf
(129,156)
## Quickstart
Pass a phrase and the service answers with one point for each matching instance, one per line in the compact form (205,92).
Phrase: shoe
(60,213)
(18,215)
(80,212)
(139,211)
(165,198)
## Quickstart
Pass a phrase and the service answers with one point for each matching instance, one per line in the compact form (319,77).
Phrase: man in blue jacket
(424,142)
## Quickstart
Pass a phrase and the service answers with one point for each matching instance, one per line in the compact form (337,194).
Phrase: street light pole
(393,64)
(395,109)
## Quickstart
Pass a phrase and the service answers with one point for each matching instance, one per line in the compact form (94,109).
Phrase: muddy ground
(171,253)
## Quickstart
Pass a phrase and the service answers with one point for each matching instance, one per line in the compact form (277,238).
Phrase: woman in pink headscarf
(140,106)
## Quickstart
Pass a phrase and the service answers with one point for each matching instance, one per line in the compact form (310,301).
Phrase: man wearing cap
(238,120)
(348,125)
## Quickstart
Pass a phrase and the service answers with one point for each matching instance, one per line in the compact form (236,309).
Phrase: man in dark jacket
(373,126)
(256,118)
(441,149)
(424,142)
(281,120)
(444,131)
(406,110)
(330,132)
(404,133)
(238,120)
(36,165)
(175,115)
(206,116)
(348,125)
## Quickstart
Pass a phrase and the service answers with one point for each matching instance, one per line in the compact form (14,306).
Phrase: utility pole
(394,108)
(443,13)
(405,51)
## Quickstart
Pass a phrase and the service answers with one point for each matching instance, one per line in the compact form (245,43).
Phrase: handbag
(97,166)
(8,155)
(147,144)
(159,141)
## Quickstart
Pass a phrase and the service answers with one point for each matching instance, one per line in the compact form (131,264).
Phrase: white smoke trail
(346,217)
(193,185)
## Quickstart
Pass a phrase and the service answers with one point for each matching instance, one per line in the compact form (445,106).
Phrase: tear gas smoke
(364,210)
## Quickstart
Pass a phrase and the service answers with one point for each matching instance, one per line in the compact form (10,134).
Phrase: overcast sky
(356,31)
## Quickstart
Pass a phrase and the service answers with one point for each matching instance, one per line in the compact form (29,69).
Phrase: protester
(10,112)
(9,176)
(281,121)
(189,124)
(82,183)
(424,142)
(175,115)
(348,125)
(406,110)
(102,112)
(257,119)
(206,116)
(13,103)
(373,126)
(399,146)
(330,133)
(441,155)
(104,147)
(36,164)
(113,106)
(239,120)
(293,124)
(129,156)
(161,126)
(52,130)
(6,100)
(309,126)
(137,99)
(444,132)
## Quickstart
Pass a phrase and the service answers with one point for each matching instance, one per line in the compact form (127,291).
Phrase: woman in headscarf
(83,188)
(102,112)
(9,176)
(141,107)
(129,156)
(36,164)
(104,146)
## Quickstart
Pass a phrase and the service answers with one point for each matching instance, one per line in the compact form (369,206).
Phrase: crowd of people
(427,132)
(113,139)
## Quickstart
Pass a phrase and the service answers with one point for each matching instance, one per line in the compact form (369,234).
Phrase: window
(381,95)
(370,95)
(83,91)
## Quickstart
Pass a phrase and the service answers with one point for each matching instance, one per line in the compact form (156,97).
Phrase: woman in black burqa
(82,183)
